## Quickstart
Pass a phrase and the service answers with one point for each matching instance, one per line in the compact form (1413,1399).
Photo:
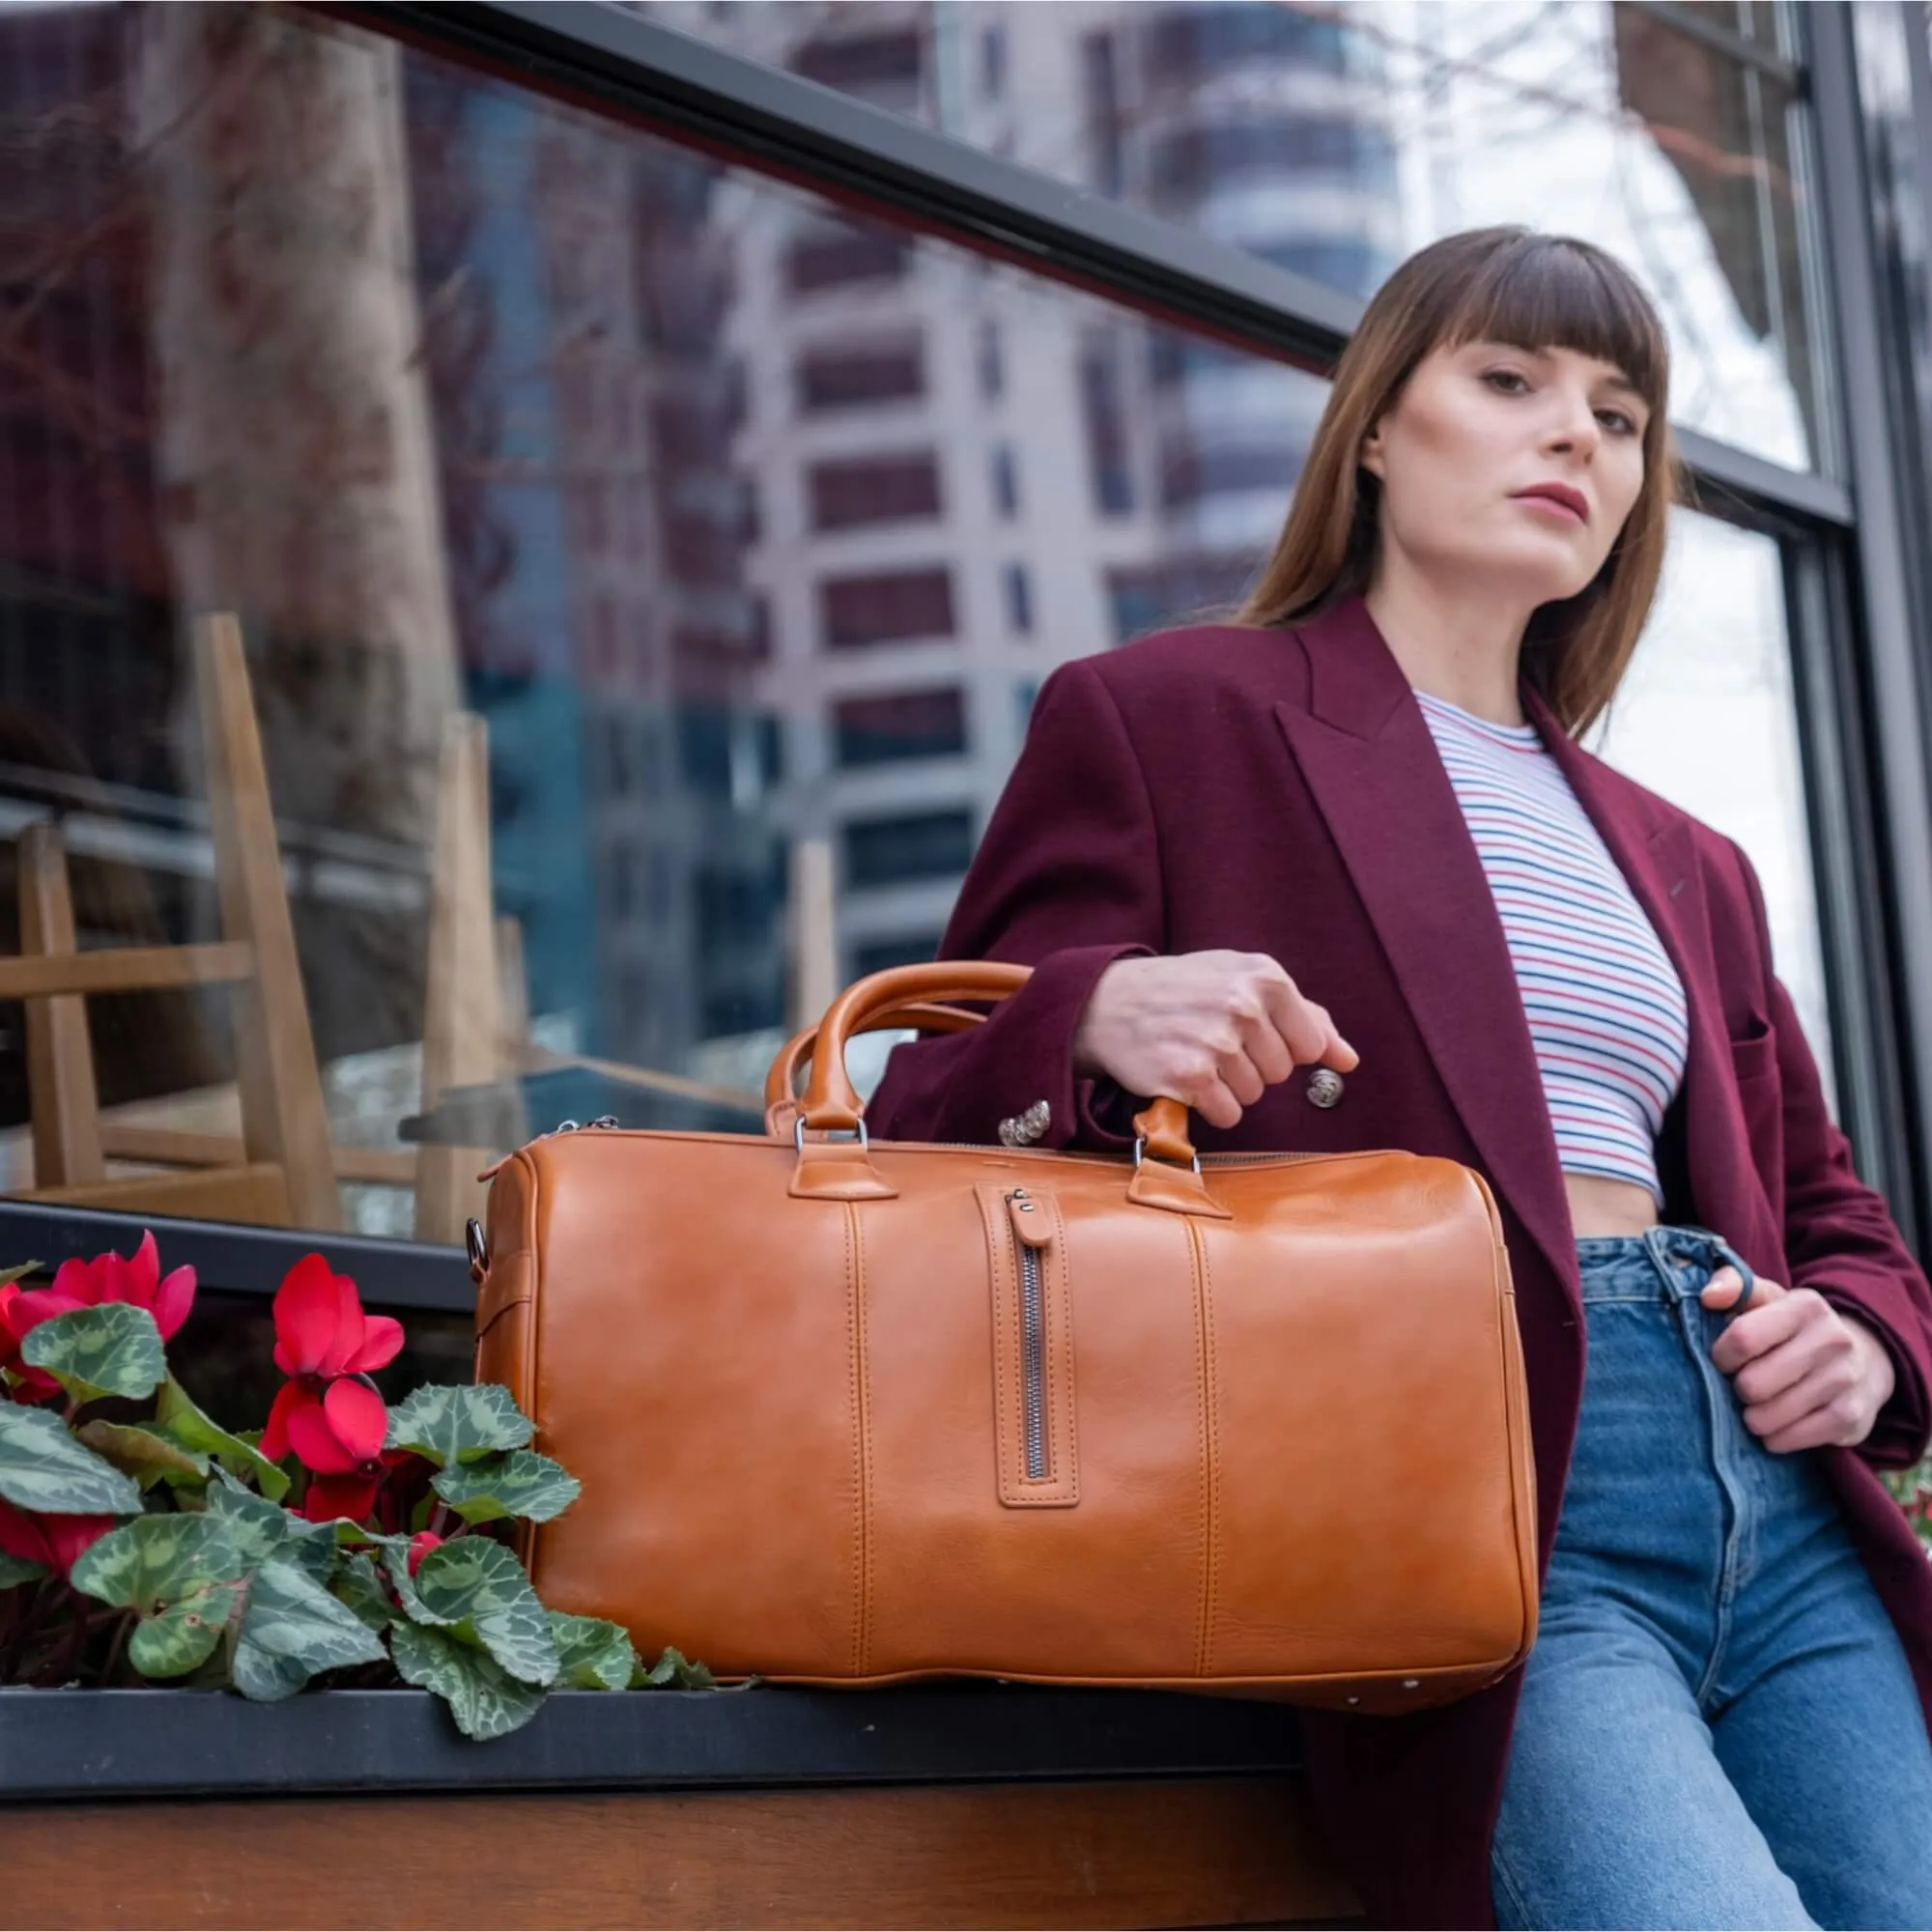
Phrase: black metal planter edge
(161,1744)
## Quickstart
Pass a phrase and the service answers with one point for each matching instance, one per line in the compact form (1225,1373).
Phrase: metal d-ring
(857,1133)
(1140,1149)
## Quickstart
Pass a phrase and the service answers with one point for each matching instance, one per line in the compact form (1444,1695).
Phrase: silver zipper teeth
(1032,1357)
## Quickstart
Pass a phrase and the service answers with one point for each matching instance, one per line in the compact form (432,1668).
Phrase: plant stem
(125,1624)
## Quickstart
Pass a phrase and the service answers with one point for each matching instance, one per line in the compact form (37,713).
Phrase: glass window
(1706,716)
(565,606)
(920,845)
(900,726)
(880,955)
(1019,600)
(843,377)
(1336,138)
(1006,470)
(886,607)
(858,490)
(833,253)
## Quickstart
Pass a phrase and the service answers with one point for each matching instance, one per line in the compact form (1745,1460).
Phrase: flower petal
(381,1343)
(350,1324)
(173,1299)
(317,1446)
(330,1496)
(359,1418)
(420,1546)
(307,1312)
(21,1535)
(81,1282)
(289,1398)
(143,1271)
(71,1537)
(35,1305)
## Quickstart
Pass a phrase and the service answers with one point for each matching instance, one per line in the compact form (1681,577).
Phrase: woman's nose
(1573,425)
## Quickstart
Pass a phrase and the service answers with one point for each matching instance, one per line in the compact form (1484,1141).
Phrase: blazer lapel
(1365,751)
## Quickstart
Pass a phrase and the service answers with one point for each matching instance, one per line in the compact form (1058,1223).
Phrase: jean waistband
(1626,1268)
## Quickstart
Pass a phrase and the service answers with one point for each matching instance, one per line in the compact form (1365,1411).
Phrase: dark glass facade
(645,549)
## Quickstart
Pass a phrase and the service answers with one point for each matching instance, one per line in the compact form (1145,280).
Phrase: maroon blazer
(1278,792)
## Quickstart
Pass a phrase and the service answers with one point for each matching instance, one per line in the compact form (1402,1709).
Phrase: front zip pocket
(1033,1347)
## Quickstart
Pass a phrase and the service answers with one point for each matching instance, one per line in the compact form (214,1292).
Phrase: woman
(1339,877)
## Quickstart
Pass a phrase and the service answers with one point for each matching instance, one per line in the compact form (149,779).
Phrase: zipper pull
(1033,1225)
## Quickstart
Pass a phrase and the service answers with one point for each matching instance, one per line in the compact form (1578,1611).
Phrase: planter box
(967,1805)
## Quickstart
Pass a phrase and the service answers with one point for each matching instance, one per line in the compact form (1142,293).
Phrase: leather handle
(782,1082)
(832,1104)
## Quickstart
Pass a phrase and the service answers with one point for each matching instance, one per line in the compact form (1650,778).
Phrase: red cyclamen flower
(328,1412)
(420,1546)
(79,1284)
(56,1541)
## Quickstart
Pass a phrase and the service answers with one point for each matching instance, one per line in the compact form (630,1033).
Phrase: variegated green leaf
(43,1467)
(483,1697)
(672,1671)
(156,1560)
(18,1569)
(176,1418)
(262,1530)
(592,1653)
(395,1561)
(477,1590)
(358,1585)
(519,1484)
(145,1456)
(113,1349)
(182,1637)
(457,1423)
(291,1628)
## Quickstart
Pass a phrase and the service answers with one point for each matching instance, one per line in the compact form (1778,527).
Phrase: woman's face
(1516,466)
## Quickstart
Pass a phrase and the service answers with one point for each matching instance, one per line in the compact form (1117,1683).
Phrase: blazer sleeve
(1839,1236)
(1066,880)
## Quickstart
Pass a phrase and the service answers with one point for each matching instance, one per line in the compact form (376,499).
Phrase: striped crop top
(1605,1007)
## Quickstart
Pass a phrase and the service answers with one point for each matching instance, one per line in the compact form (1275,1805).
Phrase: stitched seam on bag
(1213,1425)
(1064,1419)
(855,1334)
(1210,1432)
(1007,1400)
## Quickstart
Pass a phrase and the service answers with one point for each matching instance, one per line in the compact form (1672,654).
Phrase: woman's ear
(1371,455)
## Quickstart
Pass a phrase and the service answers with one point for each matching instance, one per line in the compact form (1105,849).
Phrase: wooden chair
(282,1170)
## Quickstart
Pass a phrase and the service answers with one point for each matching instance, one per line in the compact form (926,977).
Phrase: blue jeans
(1718,1725)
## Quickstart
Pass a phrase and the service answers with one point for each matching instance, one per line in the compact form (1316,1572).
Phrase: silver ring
(1140,1149)
(857,1133)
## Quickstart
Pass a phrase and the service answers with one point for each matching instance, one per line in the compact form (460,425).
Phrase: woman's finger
(1241,1077)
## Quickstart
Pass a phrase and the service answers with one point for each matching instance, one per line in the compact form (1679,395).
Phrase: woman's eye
(1507,381)
(1616,422)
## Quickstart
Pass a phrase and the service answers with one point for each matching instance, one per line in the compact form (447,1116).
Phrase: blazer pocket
(1754,1054)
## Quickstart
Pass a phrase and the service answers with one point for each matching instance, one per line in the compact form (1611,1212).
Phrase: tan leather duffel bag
(848,1413)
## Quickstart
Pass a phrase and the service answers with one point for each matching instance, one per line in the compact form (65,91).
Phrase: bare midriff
(1599,1206)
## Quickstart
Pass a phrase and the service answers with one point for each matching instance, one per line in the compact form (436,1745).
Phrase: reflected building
(968,484)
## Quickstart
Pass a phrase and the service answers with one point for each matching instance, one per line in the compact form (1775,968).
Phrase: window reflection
(1706,717)
(644,571)
(1334,139)
(645,586)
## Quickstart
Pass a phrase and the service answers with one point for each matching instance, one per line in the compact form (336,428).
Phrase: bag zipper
(1029,1238)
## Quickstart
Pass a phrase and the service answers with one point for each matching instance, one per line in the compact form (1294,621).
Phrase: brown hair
(1535,292)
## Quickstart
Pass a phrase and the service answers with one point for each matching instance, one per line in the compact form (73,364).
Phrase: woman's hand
(1213,1030)
(1808,1377)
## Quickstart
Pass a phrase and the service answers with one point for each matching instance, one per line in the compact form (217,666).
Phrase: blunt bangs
(1547,292)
